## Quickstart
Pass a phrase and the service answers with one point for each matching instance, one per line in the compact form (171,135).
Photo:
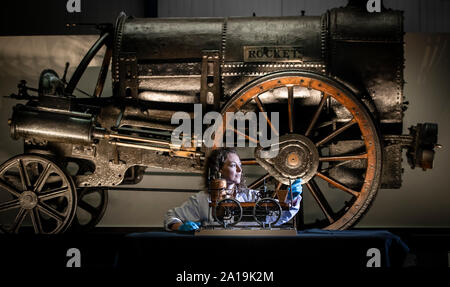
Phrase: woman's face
(231,170)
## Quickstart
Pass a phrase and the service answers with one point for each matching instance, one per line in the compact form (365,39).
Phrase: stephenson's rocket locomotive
(336,81)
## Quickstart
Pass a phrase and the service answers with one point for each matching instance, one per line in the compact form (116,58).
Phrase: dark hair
(214,163)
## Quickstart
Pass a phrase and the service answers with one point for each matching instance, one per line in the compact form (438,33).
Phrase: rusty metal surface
(330,43)
(369,56)
(335,83)
(369,179)
(150,40)
(47,126)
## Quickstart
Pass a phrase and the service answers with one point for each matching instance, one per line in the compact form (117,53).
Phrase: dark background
(50,17)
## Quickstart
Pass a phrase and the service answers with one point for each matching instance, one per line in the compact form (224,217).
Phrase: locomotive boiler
(336,81)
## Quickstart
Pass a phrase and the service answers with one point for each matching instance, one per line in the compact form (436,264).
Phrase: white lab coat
(196,208)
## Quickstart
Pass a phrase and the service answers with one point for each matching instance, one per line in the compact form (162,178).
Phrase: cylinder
(216,186)
(39,125)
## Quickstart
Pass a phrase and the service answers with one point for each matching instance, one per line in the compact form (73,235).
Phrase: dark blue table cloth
(309,248)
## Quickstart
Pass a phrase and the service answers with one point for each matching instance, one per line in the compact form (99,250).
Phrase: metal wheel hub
(28,200)
(297,157)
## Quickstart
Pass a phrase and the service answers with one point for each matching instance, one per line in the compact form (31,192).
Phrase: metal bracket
(83,151)
(210,81)
(128,75)
(421,152)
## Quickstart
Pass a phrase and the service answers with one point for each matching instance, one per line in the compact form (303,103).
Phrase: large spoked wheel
(92,203)
(228,212)
(267,211)
(326,136)
(35,194)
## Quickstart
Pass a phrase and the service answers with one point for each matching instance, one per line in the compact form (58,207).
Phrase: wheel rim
(342,101)
(35,191)
(266,207)
(228,212)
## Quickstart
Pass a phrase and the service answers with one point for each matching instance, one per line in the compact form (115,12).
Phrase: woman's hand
(189,226)
(296,189)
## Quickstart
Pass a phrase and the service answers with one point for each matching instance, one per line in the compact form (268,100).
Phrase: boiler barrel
(168,52)
(186,38)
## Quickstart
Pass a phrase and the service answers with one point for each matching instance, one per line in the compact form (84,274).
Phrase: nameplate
(273,54)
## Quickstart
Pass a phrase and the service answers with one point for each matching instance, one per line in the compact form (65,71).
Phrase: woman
(195,211)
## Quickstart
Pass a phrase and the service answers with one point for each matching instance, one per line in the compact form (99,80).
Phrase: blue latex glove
(189,226)
(296,188)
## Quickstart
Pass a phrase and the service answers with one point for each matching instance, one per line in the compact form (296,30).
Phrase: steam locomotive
(336,81)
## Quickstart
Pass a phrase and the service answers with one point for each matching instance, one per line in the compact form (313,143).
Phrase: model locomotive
(264,212)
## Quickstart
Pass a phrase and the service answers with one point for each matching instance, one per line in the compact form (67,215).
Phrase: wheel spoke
(316,114)
(24,178)
(53,193)
(243,134)
(9,188)
(86,206)
(261,109)
(344,158)
(42,179)
(18,220)
(50,211)
(337,184)
(259,181)
(36,220)
(291,107)
(337,132)
(341,163)
(9,205)
(249,161)
(279,185)
(320,199)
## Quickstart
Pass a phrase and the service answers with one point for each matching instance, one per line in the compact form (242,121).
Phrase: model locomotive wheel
(35,194)
(228,212)
(267,211)
(92,203)
(325,136)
